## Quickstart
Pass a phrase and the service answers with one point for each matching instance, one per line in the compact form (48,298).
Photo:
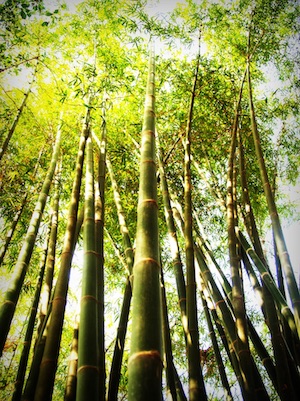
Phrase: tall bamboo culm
(11,297)
(14,124)
(145,362)
(88,372)
(48,365)
(276,225)
(196,383)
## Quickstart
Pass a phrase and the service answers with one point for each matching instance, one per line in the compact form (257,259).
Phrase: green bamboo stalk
(50,261)
(128,250)
(196,383)
(31,382)
(116,364)
(88,372)
(115,371)
(14,124)
(225,313)
(268,280)
(12,228)
(48,365)
(99,226)
(237,297)
(292,343)
(167,342)
(174,247)
(201,250)
(219,361)
(284,385)
(12,295)
(278,233)
(18,215)
(30,329)
(71,381)
(145,362)
(283,382)
(259,346)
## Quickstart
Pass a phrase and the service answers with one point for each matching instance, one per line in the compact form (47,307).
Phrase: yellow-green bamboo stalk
(48,365)
(145,362)
(196,384)
(88,372)
(11,297)
(277,229)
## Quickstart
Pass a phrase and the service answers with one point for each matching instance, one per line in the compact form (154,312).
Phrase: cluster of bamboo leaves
(142,159)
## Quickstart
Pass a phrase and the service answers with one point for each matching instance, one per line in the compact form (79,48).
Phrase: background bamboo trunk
(115,370)
(31,382)
(71,381)
(278,233)
(12,295)
(174,247)
(30,329)
(48,366)
(13,127)
(99,227)
(196,383)
(88,343)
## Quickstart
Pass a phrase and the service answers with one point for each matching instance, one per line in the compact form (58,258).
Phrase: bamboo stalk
(196,382)
(115,371)
(14,124)
(88,370)
(145,362)
(48,365)
(99,226)
(11,297)
(277,229)
(31,382)
(71,381)
(268,280)
(19,382)
(219,361)
(174,247)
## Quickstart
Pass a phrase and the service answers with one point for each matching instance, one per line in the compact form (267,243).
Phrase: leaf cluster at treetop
(146,152)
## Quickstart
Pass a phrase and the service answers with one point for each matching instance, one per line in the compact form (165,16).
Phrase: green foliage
(101,49)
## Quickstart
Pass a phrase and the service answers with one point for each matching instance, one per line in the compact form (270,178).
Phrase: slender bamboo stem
(12,129)
(71,381)
(268,280)
(48,365)
(277,229)
(88,371)
(30,329)
(31,382)
(99,225)
(167,342)
(174,247)
(219,361)
(196,383)
(115,371)
(11,297)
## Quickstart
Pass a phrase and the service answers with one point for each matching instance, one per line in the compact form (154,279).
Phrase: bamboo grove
(144,153)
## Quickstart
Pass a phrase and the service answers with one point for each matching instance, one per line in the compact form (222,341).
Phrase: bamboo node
(152,355)
(148,201)
(219,302)
(9,302)
(151,260)
(243,350)
(88,297)
(57,299)
(90,367)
